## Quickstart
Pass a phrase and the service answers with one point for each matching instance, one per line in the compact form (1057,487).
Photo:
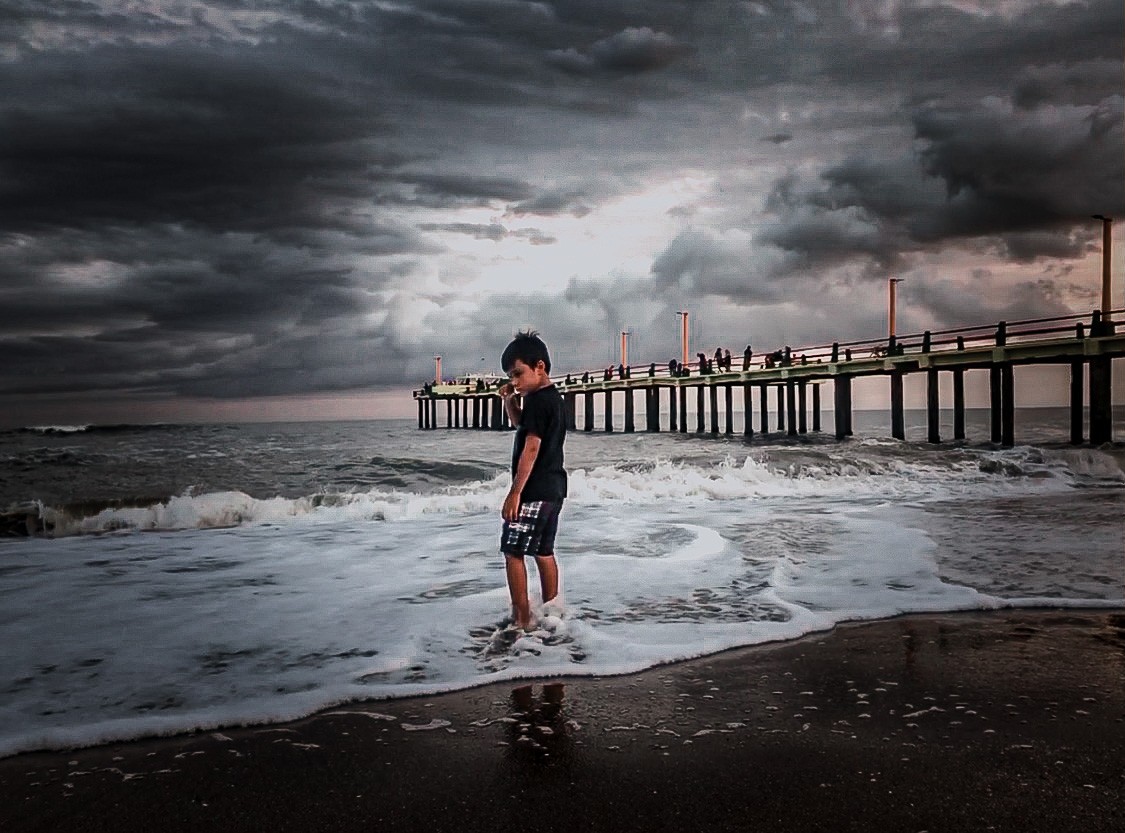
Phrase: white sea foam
(844,474)
(302,604)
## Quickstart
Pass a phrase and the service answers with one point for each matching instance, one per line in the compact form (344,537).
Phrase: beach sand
(1006,721)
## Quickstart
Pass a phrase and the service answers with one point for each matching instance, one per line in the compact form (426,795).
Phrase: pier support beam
(609,412)
(781,407)
(571,416)
(1077,378)
(1008,406)
(730,409)
(449,413)
(672,418)
(497,413)
(713,390)
(764,403)
(959,404)
(802,407)
(816,407)
(421,415)
(994,399)
(791,405)
(476,412)
(588,422)
(1101,411)
(843,397)
(699,410)
(630,425)
(898,420)
(683,410)
(932,406)
(747,410)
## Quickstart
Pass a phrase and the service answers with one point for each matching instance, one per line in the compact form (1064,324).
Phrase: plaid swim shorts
(533,533)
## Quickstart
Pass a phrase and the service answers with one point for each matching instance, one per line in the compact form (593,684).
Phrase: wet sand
(1008,721)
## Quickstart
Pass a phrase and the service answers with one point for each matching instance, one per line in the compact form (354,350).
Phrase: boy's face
(527,379)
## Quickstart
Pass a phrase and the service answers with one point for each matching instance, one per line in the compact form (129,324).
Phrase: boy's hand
(507,390)
(511,509)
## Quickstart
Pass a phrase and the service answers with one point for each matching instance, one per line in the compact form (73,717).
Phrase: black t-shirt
(544,416)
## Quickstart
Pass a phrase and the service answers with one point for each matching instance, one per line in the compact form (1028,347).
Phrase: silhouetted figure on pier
(788,356)
(673,368)
(652,369)
(747,354)
(718,360)
(702,364)
(608,373)
(727,361)
(586,376)
(620,371)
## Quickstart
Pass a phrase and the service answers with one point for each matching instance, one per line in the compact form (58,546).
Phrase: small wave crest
(115,428)
(852,476)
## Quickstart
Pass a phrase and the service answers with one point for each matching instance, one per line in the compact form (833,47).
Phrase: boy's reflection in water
(538,732)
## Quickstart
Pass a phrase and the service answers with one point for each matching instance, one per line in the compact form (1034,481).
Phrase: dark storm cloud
(633,50)
(491,231)
(1016,136)
(175,135)
(236,198)
(550,203)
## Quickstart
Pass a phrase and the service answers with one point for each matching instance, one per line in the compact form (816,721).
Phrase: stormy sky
(232,207)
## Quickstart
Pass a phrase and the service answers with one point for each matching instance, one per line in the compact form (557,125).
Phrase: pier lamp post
(1107,253)
(625,347)
(437,370)
(683,336)
(892,303)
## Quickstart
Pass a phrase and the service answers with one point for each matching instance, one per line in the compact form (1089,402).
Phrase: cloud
(631,51)
(232,199)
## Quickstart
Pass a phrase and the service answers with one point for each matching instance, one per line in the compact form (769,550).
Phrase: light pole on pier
(892,303)
(683,336)
(437,370)
(1107,254)
(625,347)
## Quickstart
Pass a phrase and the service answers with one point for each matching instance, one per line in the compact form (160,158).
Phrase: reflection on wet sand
(538,731)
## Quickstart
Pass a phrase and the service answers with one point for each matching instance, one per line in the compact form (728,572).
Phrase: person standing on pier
(539,482)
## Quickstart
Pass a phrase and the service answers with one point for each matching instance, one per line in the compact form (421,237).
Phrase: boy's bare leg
(548,576)
(517,588)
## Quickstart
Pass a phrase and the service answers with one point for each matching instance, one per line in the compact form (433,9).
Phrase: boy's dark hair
(529,348)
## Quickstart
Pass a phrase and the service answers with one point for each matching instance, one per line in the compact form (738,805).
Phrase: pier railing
(959,338)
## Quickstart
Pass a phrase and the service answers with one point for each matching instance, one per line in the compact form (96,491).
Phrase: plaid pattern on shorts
(533,533)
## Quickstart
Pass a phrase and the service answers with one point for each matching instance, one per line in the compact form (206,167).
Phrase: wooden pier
(1087,345)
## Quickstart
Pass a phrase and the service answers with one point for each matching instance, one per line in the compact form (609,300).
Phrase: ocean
(190,577)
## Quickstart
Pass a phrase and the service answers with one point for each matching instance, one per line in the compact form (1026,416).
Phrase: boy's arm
(511,509)
(515,412)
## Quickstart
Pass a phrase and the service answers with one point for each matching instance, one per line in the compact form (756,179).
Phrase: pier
(794,379)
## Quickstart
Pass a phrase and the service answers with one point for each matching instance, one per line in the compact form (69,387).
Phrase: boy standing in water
(531,508)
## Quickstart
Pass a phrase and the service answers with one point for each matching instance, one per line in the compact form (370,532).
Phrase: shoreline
(999,720)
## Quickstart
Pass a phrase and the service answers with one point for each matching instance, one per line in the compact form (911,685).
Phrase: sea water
(188,577)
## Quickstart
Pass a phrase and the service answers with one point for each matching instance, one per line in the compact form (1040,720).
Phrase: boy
(531,508)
